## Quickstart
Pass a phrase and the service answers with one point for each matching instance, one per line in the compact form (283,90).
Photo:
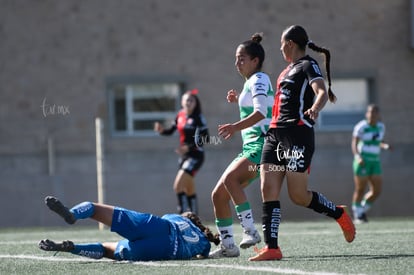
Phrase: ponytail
(327,54)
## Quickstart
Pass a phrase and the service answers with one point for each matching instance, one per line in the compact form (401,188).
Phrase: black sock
(324,206)
(182,202)
(192,202)
(270,221)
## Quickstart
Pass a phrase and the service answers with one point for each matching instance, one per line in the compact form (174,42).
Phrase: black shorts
(191,162)
(289,149)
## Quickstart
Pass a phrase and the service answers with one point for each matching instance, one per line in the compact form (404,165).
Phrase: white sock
(366,205)
(246,220)
(226,235)
(357,210)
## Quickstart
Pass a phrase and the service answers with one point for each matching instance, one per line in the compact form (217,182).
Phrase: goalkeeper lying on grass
(147,237)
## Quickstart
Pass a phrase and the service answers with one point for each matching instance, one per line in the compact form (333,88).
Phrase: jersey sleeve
(259,85)
(312,70)
(357,132)
(171,130)
(259,89)
(382,131)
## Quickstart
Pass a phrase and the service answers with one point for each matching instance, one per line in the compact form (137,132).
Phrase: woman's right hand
(360,160)
(226,130)
(232,96)
(158,127)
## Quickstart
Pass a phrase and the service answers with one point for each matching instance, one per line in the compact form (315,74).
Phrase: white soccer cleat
(250,239)
(224,252)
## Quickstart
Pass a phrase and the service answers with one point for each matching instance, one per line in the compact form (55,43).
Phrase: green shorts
(253,152)
(369,168)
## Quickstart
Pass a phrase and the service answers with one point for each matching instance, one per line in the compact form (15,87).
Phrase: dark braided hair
(213,238)
(298,35)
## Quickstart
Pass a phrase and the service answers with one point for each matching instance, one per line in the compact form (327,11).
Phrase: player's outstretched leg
(90,250)
(56,206)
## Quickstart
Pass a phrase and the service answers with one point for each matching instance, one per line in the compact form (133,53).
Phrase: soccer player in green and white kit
(367,142)
(255,104)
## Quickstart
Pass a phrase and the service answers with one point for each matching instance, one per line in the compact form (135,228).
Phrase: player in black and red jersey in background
(193,131)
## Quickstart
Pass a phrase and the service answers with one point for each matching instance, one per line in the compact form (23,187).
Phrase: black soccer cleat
(56,206)
(49,245)
(363,217)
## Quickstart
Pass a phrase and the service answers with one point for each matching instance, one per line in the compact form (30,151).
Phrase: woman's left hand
(183,149)
(313,114)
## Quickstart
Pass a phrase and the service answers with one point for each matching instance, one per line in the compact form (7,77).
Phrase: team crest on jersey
(292,72)
(181,120)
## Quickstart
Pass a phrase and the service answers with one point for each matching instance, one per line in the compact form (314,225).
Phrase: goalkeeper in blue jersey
(147,237)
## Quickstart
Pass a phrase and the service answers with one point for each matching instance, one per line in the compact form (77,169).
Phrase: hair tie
(309,41)
(194,92)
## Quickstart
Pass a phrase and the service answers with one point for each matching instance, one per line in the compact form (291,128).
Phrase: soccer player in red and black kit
(289,143)
(193,131)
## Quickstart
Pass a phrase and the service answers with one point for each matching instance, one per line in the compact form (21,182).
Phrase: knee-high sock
(83,210)
(357,209)
(244,213)
(192,202)
(225,229)
(91,250)
(271,221)
(366,205)
(182,202)
(324,206)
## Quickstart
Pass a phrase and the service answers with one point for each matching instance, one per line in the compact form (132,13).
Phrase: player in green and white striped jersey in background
(367,142)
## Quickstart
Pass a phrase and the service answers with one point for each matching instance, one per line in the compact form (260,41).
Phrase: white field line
(276,270)
(359,231)
(307,233)
(78,240)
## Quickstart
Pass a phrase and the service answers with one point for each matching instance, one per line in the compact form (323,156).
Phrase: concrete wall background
(62,52)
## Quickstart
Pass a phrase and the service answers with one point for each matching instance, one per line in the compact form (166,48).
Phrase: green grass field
(383,246)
